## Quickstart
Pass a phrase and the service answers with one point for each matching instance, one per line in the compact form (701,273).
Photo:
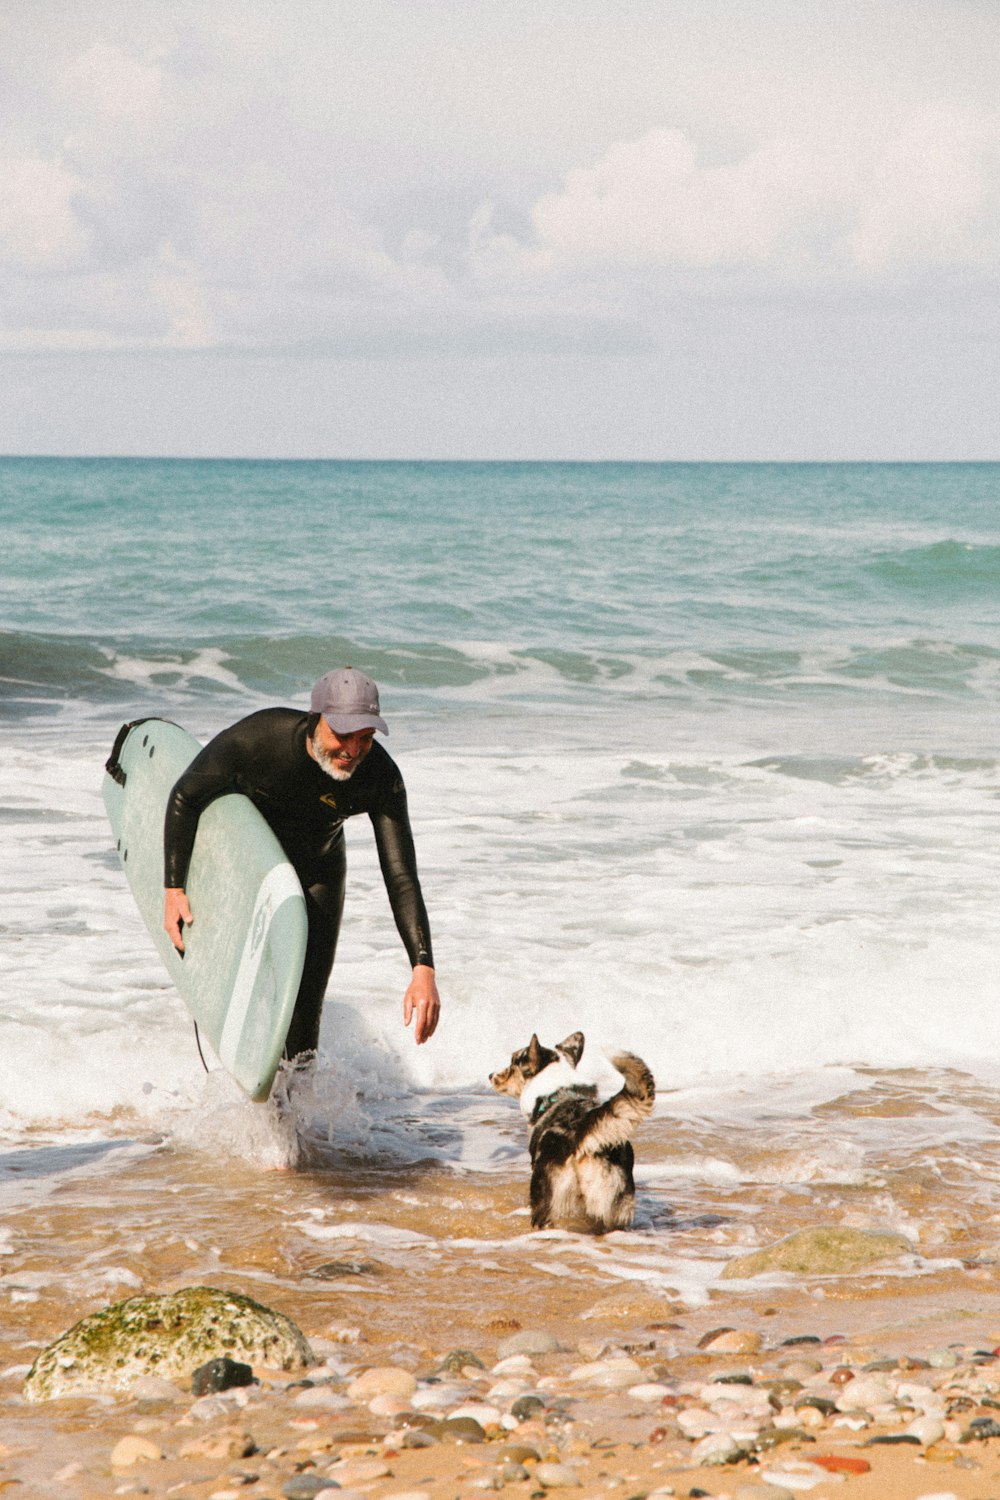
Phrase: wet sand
(399,1265)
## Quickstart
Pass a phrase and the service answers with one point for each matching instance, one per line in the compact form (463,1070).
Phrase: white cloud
(108,80)
(39,226)
(928,196)
(650,202)
(932,195)
(189,178)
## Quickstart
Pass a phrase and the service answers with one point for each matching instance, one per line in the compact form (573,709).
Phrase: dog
(581,1151)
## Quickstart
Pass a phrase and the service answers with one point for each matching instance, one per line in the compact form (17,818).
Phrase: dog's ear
(572,1047)
(534,1052)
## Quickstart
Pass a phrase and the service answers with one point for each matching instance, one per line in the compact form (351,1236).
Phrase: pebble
(923,1397)
(416,1438)
(514,1364)
(801,1369)
(459,1430)
(808,1416)
(834,1464)
(651,1391)
(509,1388)
(352,1472)
(526,1407)
(750,1400)
(436,1397)
(322,1398)
(552,1476)
(735,1341)
(219,1375)
(696,1421)
(928,1429)
(799,1477)
(716,1448)
(229,1442)
(208,1408)
(305,1487)
(530,1341)
(387,1405)
(134,1450)
(519,1453)
(608,1374)
(382,1380)
(865,1392)
(486,1416)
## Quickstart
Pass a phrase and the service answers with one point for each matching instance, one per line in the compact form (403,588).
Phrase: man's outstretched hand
(422,1000)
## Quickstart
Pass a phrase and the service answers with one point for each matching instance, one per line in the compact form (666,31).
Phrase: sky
(521,229)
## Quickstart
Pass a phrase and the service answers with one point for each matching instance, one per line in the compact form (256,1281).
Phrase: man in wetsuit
(306,773)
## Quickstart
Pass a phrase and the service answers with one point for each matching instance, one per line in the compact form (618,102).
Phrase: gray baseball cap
(348,701)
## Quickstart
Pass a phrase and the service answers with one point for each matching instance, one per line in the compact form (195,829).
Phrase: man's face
(340,754)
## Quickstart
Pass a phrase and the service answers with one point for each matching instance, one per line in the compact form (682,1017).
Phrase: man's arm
(213,772)
(398,862)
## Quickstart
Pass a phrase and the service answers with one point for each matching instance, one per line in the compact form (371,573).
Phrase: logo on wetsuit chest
(330,801)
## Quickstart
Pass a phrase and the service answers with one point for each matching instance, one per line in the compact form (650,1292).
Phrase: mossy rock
(824,1251)
(165,1336)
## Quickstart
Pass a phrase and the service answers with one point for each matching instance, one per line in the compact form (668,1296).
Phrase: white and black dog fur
(581,1151)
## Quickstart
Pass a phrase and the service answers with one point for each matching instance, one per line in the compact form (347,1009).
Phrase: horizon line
(245,458)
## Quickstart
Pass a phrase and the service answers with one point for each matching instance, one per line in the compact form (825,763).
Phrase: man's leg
(324,907)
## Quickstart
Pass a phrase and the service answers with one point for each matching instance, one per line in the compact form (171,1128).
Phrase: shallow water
(435,1254)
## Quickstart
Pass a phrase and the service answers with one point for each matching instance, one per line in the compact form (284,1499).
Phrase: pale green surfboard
(245,949)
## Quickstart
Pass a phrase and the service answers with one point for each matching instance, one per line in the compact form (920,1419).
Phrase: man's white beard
(332,766)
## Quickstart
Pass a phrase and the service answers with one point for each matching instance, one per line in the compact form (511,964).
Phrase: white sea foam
(208,664)
(385,1235)
(722,920)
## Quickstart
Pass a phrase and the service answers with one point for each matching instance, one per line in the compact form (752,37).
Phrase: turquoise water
(157,585)
(703,755)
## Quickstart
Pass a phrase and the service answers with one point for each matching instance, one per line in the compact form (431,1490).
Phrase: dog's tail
(635,1101)
(616,1119)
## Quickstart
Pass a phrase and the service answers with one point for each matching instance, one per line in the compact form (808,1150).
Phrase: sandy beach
(425,1300)
(622,1395)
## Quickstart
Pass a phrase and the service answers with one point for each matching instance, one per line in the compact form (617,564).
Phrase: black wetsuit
(265,757)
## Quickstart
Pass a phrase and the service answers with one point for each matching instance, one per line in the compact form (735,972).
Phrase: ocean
(702,761)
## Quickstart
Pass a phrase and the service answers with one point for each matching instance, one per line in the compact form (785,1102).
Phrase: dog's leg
(541,1195)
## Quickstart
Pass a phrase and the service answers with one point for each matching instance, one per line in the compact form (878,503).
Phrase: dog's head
(530,1060)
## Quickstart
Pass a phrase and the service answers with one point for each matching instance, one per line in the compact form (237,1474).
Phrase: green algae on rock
(827,1250)
(165,1336)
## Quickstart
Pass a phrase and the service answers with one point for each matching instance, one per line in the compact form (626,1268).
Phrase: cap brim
(351,723)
